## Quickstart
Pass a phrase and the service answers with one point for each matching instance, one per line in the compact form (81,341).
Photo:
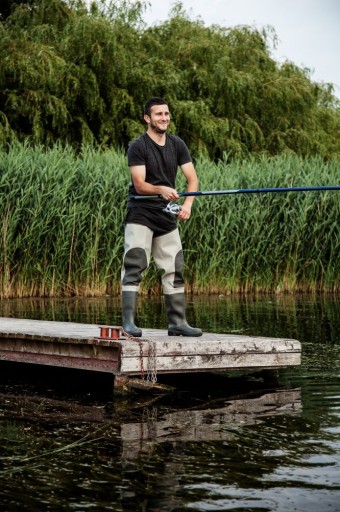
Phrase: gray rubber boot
(129,301)
(175,310)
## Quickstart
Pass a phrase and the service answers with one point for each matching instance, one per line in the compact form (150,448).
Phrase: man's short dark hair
(151,102)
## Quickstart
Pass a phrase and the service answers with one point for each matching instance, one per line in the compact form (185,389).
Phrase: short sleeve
(136,154)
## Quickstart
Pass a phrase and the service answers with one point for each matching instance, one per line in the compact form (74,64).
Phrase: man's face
(159,118)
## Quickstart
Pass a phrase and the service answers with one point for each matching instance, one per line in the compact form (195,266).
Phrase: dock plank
(71,331)
(211,344)
(216,362)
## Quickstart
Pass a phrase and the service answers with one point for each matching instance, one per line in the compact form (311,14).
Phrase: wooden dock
(97,348)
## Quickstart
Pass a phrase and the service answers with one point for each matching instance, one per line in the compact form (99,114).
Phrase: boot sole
(134,334)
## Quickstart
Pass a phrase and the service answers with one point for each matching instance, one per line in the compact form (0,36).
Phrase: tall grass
(62,216)
(62,225)
(265,242)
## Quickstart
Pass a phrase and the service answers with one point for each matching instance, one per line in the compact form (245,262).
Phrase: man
(153,160)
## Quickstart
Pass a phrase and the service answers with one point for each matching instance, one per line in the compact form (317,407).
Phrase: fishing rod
(244,191)
(174,209)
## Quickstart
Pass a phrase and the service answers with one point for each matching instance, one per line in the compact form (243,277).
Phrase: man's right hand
(168,193)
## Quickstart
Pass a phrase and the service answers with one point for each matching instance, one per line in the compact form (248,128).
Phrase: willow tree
(80,76)
(232,97)
(62,71)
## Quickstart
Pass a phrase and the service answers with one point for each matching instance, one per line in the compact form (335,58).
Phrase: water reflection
(80,448)
(213,422)
(208,421)
(221,442)
(306,318)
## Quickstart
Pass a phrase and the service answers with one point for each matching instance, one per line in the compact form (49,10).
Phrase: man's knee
(178,274)
(134,263)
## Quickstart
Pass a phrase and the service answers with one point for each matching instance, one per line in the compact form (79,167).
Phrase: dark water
(220,442)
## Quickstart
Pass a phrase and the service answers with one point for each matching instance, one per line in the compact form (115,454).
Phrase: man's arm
(192,186)
(138,174)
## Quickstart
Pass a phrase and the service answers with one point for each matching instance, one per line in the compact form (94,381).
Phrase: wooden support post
(121,385)
(124,384)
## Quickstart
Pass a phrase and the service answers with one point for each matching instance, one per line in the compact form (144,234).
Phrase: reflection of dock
(214,420)
(208,424)
(88,347)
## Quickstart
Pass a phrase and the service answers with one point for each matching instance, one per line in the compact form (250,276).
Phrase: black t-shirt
(161,164)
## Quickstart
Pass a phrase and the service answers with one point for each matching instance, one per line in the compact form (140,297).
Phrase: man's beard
(156,128)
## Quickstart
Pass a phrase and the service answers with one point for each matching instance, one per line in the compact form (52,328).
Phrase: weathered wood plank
(52,348)
(68,330)
(79,363)
(210,344)
(209,362)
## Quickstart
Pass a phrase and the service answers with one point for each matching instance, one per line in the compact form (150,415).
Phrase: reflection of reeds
(62,218)
(29,463)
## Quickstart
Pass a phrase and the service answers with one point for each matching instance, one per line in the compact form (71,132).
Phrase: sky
(308,31)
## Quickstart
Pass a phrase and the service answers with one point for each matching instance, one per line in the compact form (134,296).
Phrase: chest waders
(166,250)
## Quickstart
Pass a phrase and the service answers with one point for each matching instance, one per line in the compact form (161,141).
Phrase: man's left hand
(185,212)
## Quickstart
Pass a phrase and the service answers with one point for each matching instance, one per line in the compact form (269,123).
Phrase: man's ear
(146,119)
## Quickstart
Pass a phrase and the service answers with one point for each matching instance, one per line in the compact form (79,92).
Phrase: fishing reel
(173,209)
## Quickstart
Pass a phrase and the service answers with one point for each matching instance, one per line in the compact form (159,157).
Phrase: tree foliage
(81,76)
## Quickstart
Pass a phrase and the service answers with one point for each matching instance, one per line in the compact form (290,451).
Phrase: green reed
(266,242)
(62,216)
(62,225)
